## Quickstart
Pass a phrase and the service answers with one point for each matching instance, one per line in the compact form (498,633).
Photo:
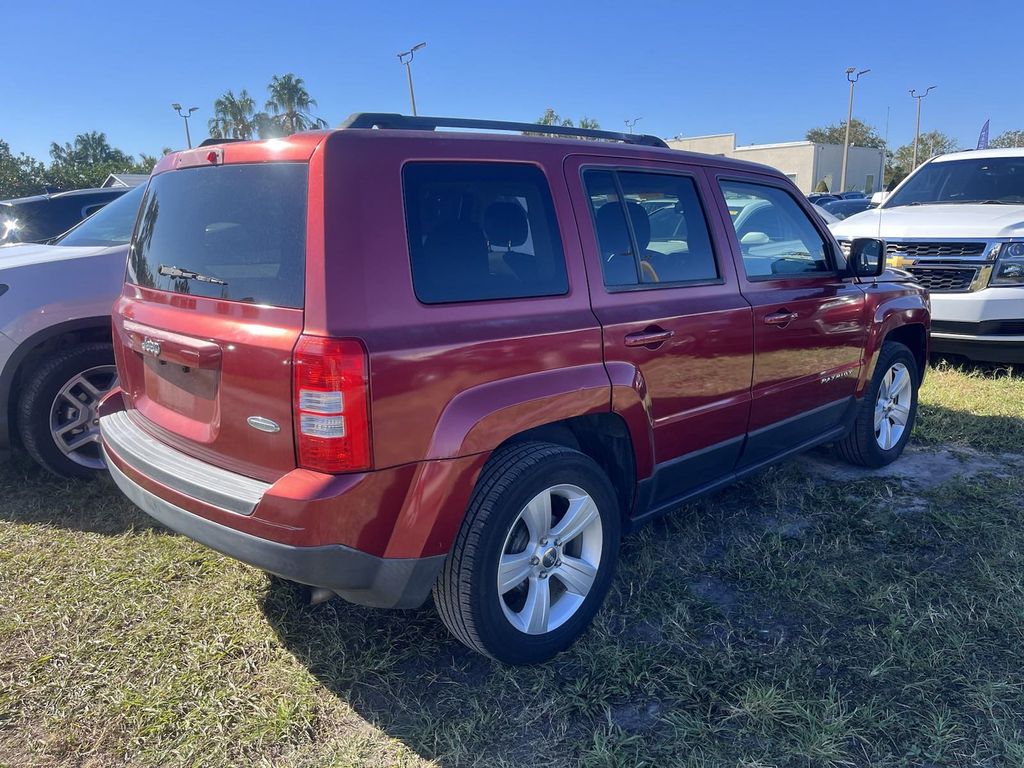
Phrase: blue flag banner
(983,136)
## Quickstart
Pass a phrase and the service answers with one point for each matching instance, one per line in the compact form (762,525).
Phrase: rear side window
(235,232)
(665,240)
(480,231)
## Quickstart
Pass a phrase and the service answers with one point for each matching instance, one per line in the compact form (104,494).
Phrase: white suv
(957,224)
(56,359)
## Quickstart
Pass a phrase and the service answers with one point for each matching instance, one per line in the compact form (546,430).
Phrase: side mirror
(755,238)
(866,257)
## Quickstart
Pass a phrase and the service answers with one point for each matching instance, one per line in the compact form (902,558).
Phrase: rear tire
(535,555)
(57,407)
(885,416)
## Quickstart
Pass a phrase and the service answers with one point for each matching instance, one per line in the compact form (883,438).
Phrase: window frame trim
(556,231)
(615,170)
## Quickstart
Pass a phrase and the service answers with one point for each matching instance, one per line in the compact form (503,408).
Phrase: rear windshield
(235,232)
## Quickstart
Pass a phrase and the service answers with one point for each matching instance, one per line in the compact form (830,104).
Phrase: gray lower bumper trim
(357,576)
(179,471)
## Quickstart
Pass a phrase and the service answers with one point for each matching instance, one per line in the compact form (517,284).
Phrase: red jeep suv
(386,361)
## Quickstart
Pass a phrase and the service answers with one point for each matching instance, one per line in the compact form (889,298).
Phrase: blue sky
(766,71)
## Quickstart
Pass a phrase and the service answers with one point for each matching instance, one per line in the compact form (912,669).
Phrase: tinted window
(482,231)
(111,225)
(776,237)
(240,228)
(665,239)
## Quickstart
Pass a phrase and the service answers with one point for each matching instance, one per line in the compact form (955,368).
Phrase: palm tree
(235,117)
(290,103)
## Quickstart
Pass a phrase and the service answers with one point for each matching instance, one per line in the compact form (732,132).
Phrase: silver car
(56,359)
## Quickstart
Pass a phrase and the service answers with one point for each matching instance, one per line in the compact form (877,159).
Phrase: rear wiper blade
(168,270)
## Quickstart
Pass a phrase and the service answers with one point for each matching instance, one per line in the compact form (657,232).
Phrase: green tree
(1008,139)
(290,105)
(20,175)
(901,162)
(861,135)
(235,117)
(87,161)
(550,117)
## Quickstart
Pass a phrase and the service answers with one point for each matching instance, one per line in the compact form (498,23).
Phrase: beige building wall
(805,163)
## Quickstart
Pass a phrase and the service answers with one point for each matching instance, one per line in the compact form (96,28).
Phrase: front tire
(535,555)
(56,412)
(885,416)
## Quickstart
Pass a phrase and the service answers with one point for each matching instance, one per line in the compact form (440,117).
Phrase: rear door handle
(781,317)
(649,338)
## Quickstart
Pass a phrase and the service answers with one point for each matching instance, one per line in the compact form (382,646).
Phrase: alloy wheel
(892,407)
(550,559)
(74,421)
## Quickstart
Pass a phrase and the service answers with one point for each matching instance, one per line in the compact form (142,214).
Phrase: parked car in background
(843,209)
(957,224)
(827,217)
(56,360)
(384,361)
(819,198)
(39,218)
(852,195)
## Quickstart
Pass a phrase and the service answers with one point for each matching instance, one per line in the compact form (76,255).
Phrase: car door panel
(808,327)
(689,345)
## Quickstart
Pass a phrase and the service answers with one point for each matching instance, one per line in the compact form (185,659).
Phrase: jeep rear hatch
(212,310)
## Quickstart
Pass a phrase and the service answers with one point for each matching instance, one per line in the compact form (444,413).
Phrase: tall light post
(406,58)
(631,123)
(853,78)
(917,126)
(185,117)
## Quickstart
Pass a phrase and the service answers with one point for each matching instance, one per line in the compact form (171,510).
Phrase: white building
(805,162)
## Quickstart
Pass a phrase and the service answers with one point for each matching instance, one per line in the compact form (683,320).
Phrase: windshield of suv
(235,232)
(990,180)
(111,225)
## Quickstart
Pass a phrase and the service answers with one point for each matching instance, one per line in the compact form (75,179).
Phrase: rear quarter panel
(452,379)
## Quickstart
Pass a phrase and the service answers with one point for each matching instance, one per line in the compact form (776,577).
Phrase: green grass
(802,618)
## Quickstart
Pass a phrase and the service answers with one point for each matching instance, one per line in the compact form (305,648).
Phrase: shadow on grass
(31,495)
(941,425)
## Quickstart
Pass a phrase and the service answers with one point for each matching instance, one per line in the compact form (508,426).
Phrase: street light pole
(917,126)
(853,78)
(185,117)
(406,58)
(633,122)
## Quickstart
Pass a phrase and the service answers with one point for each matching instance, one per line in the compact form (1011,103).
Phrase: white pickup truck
(957,224)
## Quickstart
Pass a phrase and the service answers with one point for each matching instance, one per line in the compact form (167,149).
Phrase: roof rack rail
(394,121)
(212,142)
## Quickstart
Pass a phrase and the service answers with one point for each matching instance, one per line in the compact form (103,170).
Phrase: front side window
(776,237)
(665,239)
(482,231)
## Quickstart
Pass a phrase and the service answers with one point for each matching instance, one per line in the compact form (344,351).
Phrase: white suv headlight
(1009,268)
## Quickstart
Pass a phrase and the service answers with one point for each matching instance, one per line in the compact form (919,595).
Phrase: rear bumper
(283,528)
(357,576)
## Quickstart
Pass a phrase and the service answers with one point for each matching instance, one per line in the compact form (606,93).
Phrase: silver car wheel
(74,421)
(550,559)
(892,408)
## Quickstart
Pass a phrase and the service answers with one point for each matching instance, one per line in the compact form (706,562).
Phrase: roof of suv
(301,146)
(976,153)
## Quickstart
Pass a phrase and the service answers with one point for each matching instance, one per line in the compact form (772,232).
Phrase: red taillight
(332,414)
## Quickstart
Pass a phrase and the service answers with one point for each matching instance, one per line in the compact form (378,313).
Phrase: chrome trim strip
(179,471)
(962,337)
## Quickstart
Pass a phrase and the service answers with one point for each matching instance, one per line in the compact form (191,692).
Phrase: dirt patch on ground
(921,467)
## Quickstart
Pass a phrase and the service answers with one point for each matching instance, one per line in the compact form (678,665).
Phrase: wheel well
(38,353)
(913,337)
(603,437)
